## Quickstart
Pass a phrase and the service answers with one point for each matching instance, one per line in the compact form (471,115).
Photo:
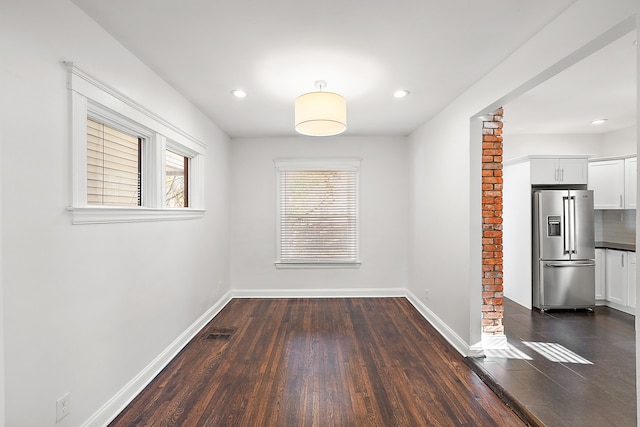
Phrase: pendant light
(320,113)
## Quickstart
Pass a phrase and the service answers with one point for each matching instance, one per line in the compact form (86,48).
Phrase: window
(176,182)
(129,164)
(113,166)
(317,213)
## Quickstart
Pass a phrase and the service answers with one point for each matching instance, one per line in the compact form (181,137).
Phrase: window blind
(318,216)
(113,166)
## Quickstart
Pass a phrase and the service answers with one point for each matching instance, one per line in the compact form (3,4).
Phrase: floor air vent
(220,334)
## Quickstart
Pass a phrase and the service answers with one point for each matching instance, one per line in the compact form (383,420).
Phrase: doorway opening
(494,281)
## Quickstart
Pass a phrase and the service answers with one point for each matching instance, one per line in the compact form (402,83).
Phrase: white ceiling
(602,85)
(364,49)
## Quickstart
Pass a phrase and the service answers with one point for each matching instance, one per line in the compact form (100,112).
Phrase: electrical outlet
(426,292)
(62,406)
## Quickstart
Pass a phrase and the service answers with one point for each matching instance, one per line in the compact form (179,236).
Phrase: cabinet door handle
(562,174)
(622,260)
(621,201)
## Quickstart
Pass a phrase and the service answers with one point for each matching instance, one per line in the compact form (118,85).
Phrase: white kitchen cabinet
(631,282)
(553,171)
(573,171)
(616,274)
(630,182)
(600,274)
(544,171)
(607,180)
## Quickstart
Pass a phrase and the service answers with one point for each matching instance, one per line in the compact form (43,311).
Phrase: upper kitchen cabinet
(558,170)
(606,179)
(613,182)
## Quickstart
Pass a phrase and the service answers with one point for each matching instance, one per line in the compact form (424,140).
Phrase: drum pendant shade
(320,113)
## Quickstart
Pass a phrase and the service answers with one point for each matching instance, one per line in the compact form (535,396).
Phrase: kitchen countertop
(618,246)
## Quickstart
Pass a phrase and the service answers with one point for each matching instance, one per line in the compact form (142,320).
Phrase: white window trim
(317,164)
(91,98)
(195,170)
(107,214)
(281,265)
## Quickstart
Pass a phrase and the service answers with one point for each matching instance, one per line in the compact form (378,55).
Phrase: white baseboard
(476,350)
(620,307)
(319,293)
(444,330)
(122,398)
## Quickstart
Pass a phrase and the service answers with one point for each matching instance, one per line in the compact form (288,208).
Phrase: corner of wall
(443,329)
(126,394)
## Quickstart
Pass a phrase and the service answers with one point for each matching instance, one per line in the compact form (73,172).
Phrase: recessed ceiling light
(401,93)
(599,121)
(239,93)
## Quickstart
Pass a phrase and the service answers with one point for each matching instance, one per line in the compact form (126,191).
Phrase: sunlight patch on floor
(507,353)
(556,352)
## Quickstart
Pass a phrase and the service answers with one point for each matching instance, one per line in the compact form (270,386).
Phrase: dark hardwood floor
(598,391)
(318,362)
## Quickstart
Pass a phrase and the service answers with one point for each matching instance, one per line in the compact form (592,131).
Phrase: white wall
(637,146)
(620,143)
(72,325)
(445,250)
(517,240)
(87,307)
(2,310)
(383,214)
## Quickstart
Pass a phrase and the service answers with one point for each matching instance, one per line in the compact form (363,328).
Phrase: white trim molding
(110,410)
(109,214)
(319,293)
(92,88)
(449,334)
(90,98)
(335,264)
(443,329)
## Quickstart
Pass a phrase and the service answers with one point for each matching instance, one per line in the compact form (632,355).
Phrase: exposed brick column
(492,291)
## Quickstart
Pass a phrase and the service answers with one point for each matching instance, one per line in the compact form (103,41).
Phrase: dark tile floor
(598,391)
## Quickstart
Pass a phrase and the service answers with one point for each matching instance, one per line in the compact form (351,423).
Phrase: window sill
(109,214)
(330,264)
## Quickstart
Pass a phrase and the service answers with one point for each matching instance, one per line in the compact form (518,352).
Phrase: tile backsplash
(617,226)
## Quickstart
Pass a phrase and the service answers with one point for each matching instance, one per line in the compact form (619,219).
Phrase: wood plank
(318,362)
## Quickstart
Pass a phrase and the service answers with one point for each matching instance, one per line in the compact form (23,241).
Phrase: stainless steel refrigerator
(563,249)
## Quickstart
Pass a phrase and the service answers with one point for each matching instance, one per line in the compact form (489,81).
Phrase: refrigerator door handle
(572,225)
(574,264)
(565,228)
